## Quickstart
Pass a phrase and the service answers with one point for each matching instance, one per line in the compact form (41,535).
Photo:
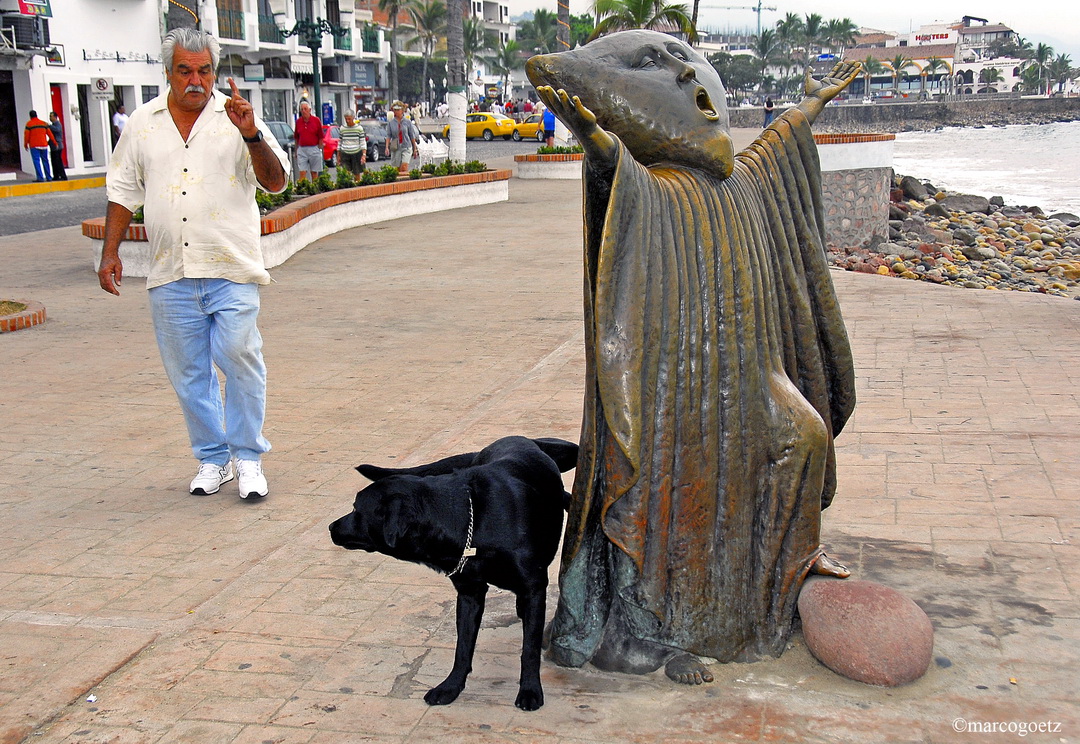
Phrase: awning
(301,64)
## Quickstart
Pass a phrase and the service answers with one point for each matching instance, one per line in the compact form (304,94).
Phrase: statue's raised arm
(820,92)
(578,119)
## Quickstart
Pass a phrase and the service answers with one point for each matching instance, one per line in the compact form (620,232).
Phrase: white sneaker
(252,481)
(210,477)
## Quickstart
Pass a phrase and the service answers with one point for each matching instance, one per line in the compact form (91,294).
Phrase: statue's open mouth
(704,103)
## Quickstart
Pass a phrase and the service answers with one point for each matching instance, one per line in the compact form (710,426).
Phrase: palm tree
(540,35)
(870,67)
(765,48)
(392,8)
(1061,71)
(620,15)
(933,66)
(506,59)
(840,33)
(788,32)
(475,40)
(813,34)
(989,76)
(898,64)
(1041,58)
(429,17)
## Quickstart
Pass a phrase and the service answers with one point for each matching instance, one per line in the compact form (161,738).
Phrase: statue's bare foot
(826,566)
(687,669)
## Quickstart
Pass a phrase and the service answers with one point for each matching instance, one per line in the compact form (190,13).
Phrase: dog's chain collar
(469,550)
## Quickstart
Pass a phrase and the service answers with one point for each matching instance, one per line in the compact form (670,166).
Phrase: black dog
(488,517)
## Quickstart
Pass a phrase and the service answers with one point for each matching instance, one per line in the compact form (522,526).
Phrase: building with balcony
(69,57)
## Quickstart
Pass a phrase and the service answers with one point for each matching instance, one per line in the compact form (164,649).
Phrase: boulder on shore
(966,203)
(865,631)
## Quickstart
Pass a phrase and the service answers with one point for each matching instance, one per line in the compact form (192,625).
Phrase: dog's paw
(530,699)
(444,694)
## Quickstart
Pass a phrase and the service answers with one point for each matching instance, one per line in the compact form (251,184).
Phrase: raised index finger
(235,90)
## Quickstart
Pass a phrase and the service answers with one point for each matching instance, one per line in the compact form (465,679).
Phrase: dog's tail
(564,453)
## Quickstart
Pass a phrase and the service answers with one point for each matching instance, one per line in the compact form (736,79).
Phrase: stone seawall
(909,117)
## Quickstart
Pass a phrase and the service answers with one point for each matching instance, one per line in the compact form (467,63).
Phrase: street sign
(101,89)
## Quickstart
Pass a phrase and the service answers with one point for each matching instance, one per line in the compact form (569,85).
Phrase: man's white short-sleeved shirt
(198,197)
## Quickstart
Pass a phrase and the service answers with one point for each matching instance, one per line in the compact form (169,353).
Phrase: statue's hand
(838,78)
(579,120)
(820,92)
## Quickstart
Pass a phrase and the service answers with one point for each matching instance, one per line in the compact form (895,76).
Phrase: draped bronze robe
(718,372)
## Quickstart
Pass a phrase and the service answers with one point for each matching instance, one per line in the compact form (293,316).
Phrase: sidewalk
(212,620)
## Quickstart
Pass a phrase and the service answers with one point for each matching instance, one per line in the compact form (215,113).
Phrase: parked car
(376,140)
(284,133)
(330,142)
(531,128)
(485,125)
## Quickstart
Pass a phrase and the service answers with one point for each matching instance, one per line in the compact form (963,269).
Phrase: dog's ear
(374,472)
(393,523)
(564,453)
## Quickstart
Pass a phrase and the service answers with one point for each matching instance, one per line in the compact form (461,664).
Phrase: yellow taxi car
(485,125)
(531,128)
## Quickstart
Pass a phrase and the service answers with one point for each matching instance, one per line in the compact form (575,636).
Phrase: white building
(84,58)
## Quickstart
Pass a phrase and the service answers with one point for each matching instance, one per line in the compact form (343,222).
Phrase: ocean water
(1027,164)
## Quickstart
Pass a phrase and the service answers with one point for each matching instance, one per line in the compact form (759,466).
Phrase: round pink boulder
(865,631)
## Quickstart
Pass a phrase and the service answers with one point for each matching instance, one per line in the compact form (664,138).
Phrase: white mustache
(194,89)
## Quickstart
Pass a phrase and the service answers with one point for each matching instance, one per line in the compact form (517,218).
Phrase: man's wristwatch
(252,140)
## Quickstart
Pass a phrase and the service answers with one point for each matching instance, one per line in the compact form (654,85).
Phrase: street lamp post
(311,33)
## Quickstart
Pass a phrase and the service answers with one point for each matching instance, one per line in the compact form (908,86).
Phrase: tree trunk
(562,35)
(393,61)
(455,77)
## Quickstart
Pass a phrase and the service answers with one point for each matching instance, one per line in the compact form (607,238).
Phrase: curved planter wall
(549,166)
(291,228)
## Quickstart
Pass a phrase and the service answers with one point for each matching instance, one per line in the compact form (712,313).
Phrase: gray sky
(1054,22)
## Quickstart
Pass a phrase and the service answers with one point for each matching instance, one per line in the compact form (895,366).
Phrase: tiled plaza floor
(208,619)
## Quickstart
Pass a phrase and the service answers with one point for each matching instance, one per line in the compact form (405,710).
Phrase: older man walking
(193,158)
(402,138)
(309,143)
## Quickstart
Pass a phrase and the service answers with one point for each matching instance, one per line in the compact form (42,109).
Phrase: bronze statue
(718,368)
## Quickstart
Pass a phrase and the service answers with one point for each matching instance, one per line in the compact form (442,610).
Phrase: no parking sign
(101,88)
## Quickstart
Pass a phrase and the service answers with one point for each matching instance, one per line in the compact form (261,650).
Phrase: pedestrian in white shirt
(192,158)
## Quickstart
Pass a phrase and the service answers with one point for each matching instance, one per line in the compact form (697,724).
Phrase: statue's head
(659,96)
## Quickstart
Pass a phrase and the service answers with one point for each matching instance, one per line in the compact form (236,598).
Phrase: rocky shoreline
(973,242)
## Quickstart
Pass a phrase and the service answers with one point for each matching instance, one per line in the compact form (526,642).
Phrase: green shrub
(264,200)
(345,179)
(323,183)
(137,216)
(415,173)
(388,173)
(475,166)
(367,178)
(559,150)
(428,168)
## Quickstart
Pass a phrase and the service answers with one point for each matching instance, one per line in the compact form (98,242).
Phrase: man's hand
(111,269)
(240,113)
(579,120)
(110,274)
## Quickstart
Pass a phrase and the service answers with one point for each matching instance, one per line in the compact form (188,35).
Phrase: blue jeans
(40,156)
(201,323)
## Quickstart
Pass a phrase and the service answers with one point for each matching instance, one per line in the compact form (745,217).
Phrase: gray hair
(192,40)
(351,113)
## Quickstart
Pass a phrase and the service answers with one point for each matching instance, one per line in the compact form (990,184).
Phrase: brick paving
(209,619)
